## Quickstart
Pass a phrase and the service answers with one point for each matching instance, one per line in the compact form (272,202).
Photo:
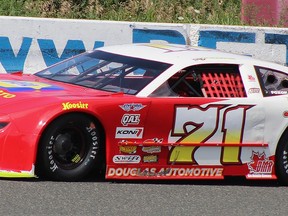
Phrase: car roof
(186,55)
(172,53)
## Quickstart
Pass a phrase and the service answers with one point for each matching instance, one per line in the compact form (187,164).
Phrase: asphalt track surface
(222,198)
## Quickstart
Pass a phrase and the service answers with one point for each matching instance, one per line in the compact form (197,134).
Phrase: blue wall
(207,38)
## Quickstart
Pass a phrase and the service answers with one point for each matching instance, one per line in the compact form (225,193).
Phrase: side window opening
(213,80)
(272,82)
(186,83)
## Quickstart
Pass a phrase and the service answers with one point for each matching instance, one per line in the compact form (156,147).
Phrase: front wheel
(69,148)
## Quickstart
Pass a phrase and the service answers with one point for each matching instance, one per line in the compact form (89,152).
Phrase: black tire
(69,149)
(282,160)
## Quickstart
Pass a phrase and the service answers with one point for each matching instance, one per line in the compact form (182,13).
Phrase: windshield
(106,71)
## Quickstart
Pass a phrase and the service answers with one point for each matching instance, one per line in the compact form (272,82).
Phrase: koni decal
(197,125)
(129,132)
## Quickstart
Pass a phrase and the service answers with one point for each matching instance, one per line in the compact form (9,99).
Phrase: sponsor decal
(130,119)
(6,94)
(192,125)
(199,59)
(24,86)
(285,114)
(167,172)
(79,105)
(128,149)
(132,107)
(153,140)
(254,90)
(260,165)
(278,92)
(123,159)
(129,132)
(151,149)
(150,158)
(251,78)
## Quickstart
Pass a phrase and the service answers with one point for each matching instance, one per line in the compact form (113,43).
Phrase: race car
(146,111)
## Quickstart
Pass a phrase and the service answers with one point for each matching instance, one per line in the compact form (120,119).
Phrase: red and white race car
(147,111)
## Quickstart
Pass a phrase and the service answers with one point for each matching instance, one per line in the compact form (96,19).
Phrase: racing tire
(282,160)
(69,149)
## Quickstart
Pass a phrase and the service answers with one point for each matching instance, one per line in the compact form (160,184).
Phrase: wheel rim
(69,148)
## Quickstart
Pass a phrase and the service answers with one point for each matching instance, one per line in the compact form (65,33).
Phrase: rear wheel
(69,148)
(282,160)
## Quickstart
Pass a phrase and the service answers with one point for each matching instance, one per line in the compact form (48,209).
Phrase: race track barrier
(31,44)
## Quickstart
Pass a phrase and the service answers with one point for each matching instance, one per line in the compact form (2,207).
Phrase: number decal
(196,130)
(232,129)
(214,123)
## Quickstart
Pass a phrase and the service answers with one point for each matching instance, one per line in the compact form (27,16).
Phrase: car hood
(15,88)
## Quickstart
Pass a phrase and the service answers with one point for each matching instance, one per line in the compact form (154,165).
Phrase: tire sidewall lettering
(53,166)
(94,145)
(285,161)
(92,139)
